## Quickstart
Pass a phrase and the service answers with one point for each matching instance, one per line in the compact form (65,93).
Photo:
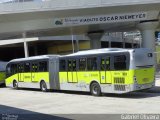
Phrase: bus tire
(43,86)
(95,89)
(15,84)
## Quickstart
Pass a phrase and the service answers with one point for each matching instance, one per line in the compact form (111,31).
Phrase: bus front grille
(119,87)
(119,80)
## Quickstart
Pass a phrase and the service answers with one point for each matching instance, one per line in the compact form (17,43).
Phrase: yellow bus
(97,71)
(2,72)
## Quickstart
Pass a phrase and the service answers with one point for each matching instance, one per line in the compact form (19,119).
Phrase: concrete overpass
(32,19)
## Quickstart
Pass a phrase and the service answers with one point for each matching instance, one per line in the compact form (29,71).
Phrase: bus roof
(100,51)
(85,52)
(34,58)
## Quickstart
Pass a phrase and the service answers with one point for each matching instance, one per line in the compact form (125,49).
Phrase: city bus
(97,71)
(2,72)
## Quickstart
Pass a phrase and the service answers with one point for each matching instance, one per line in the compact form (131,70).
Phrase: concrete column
(77,45)
(132,43)
(148,33)
(73,49)
(26,52)
(124,43)
(109,43)
(35,50)
(123,40)
(95,40)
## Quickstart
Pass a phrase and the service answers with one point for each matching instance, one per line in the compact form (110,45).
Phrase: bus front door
(20,73)
(105,73)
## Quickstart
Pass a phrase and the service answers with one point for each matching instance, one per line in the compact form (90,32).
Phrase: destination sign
(100,19)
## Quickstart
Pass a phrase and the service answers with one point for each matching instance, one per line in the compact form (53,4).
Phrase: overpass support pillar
(26,52)
(148,33)
(95,40)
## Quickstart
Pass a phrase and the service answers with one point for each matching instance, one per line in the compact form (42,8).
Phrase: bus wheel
(43,86)
(95,89)
(15,84)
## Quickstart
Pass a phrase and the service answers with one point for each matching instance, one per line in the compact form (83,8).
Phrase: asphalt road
(71,105)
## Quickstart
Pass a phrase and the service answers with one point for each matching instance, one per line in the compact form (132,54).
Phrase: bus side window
(92,64)
(74,65)
(82,64)
(20,68)
(13,69)
(43,66)
(120,62)
(62,65)
(107,63)
(26,67)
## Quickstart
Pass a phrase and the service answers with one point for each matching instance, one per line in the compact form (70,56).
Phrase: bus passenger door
(72,73)
(20,72)
(27,72)
(105,70)
(34,68)
(69,72)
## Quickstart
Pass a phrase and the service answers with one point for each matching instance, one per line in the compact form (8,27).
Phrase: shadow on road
(155,89)
(11,113)
(2,86)
(153,92)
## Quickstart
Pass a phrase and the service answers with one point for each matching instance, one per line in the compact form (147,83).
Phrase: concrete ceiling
(39,22)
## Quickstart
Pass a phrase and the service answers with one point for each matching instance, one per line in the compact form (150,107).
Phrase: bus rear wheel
(95,89)
(43,86)
(15,84)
